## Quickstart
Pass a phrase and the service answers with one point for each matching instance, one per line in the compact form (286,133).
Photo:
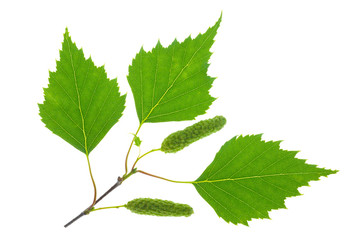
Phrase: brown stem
(86,211)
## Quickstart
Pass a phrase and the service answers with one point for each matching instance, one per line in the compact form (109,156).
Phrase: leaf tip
(217,24)
(332,172)
(66,33)
(158,43)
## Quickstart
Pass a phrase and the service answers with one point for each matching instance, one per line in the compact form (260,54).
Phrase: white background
(288,69)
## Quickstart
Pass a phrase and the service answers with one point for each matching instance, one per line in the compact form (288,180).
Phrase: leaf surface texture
(171,84)
(249,177)
(81,103)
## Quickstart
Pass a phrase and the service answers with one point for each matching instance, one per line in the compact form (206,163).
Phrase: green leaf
(137,140)
(81,103)
(171,84)
(249,177)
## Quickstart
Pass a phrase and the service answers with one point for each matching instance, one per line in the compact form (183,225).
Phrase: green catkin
(181,139)
(158,207)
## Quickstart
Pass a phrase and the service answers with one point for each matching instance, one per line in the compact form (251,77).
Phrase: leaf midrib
(78,95)
(179,74)
(254,177)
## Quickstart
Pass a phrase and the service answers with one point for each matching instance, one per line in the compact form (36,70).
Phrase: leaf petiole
(92,178)
(130,147)
(165,179)
(139,157)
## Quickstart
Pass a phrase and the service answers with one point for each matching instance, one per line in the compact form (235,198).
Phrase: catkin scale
(183,138)
(158,207)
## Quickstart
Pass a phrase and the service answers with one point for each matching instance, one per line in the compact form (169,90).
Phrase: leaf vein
(179,74)
(101,109)
(276,186)
(85,80)
(240,200)
(170,68)
(62,109)
(71,99)
(93,93)
(180,110)
(219,203)
(261,195)
(225,165)
(255,176)
(91,144)
(77,92)
(185,93)
(254,159)
(141,81)
(155,75)
(63,128)
(273,163)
